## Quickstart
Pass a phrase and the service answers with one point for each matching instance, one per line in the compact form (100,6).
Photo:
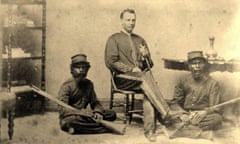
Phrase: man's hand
(136,69)
(211,121)
(185,118)
(143,50)
(198,116)
(98,117)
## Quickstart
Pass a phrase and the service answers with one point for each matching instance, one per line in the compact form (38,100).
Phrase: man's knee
(109,115)
(64,125)
(211,122)
(66,122)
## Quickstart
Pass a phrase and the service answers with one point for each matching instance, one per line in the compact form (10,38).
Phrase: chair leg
(126,108)
(132,107)
(111,99)
(11,114)
(155,118)
(0,118)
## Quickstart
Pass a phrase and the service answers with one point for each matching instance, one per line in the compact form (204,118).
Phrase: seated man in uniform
(197,91)
(78,92)
(125,53)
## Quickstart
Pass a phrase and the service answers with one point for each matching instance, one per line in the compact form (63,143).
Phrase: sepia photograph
(119,72)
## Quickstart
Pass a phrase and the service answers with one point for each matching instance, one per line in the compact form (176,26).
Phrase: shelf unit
(23,51)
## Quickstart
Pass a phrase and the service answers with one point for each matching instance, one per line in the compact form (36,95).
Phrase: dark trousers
(85,124)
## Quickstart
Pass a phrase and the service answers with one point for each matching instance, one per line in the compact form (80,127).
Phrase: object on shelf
(19,21)
(19,82)
(30,23)
(211,53)
(17,53)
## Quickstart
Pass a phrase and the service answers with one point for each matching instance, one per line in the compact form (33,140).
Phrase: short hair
(127,10)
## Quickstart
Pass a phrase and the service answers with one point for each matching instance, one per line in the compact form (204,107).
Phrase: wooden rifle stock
(116,128)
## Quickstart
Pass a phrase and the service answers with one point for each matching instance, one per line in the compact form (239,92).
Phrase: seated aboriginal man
(197,91)
(78,92)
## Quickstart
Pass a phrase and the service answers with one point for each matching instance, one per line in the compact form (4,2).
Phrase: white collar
(124,31)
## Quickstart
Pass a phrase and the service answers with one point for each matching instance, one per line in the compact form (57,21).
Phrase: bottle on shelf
(211,53)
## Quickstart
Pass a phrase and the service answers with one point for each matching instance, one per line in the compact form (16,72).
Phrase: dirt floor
(44,129)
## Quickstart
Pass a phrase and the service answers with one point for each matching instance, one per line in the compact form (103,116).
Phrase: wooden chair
(7,104)
(129,101)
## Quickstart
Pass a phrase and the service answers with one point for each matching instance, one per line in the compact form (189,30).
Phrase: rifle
(209,109)
(117,128)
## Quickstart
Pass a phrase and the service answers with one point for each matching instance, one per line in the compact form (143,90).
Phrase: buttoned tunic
(197,95)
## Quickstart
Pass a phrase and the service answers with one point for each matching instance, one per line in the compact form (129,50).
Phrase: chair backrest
(113,85)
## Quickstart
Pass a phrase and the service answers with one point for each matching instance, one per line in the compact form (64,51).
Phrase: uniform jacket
(192,95)
(118,53)
(78,95)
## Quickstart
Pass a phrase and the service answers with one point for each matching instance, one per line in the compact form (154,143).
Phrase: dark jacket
(192,95)
(78,95)
(118,53)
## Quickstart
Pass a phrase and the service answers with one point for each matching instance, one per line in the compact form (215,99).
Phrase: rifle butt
(114,127)
(172,134)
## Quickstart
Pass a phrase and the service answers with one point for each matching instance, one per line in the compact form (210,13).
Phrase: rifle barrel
(225,103)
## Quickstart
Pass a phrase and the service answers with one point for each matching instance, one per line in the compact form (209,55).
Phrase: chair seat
(8,100)
(5,96)
(136,111)
(123,91)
